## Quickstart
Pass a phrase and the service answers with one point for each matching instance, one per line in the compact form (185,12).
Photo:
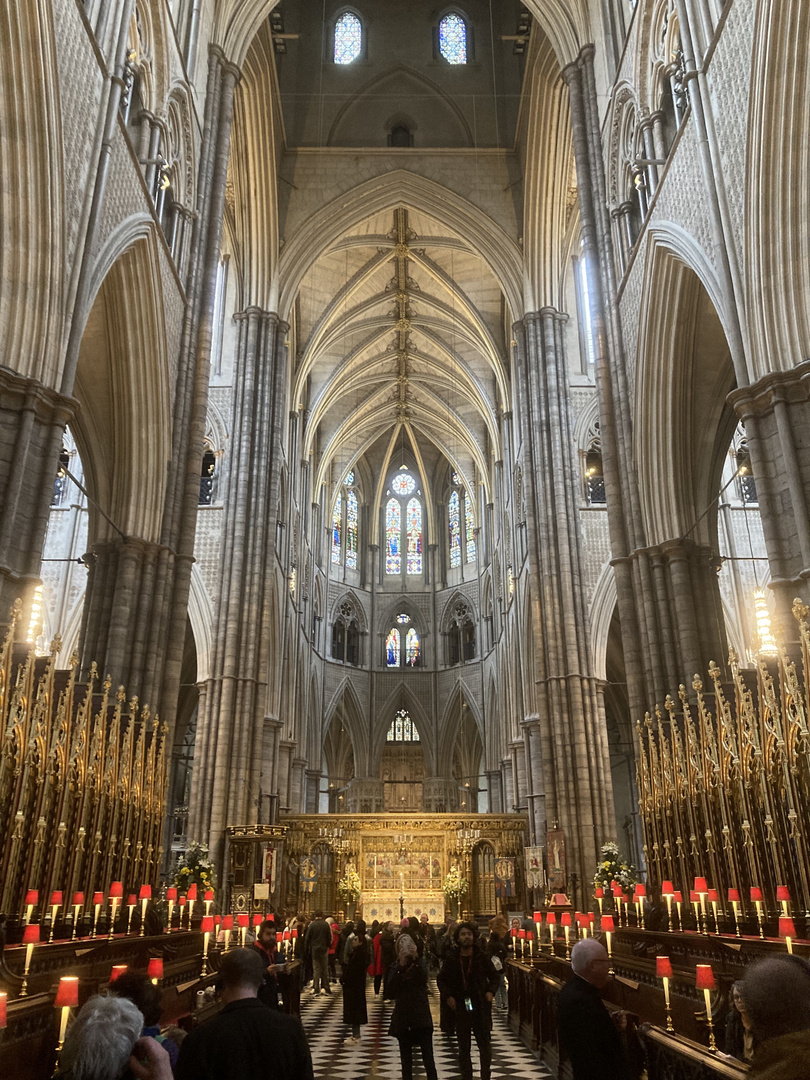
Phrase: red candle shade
(608,924)
(538,916)
(98,897)
(116,890)
(522,934)
(704,977)
(67,996)
(786,927)
(530,935)
(782,892)
(700,885)
(209,895)
(641,889)
(56,899)
(663,967)
(287,929)
(227,922)
(565,918)
(678,897)
(31,934)
(31,897)
(155,967)
(599,893)
(617,892)
(279,935)
(756,893)
(551,919)
(666,888)
(243,919)
(3,1010)
(192,892)
(171,894)
(78,899)
(257,920)
(217,920)
(132,900)
(513,932)
(145,892)
(295,932)
(714,896)
(117,971)
(207,924)
(733,895)
(182,901)
(693,897)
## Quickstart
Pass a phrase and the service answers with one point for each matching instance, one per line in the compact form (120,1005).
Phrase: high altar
(402,861)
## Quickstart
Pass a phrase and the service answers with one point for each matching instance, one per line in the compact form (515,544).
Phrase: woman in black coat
(411,1023)
(354,981)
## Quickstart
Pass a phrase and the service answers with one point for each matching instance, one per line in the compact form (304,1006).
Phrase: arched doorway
(484,900)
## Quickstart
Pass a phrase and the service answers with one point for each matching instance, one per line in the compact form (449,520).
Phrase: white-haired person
(411,1023)
(104,1041)
(586,1031)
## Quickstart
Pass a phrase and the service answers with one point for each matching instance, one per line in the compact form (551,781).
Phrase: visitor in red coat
(332,951)
(376,967)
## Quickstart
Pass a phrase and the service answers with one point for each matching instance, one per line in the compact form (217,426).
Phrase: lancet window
(461,524)
(348,38)
(404,529)
(345,520)
(453,39)
(403,646)
(461,635)
(346,635)
(402,729)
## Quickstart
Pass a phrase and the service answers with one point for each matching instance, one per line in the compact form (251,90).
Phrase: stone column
(228,757)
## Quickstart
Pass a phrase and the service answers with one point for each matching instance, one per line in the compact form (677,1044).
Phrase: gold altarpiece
(301,859)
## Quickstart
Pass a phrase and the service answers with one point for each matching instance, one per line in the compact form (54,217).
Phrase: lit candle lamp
(783,896)
(668,892)
(638,899)
(734,900)
(145,895)
(714,900)
(530,939)
(243,919)
(521,939)
(663,969)
(678,898)
(191,896)
(551,923)
(182,903)
(618,895)
(117,971)
(56,903)
(30,939)
(154,969)
(227,926)
(702,889)
(694,900)
(116,896)
(608,928)
(67,998)
(538,922)
(704,980)
(132,903)
(279,941)
(171,899)
(207,927)
(787,931)
(98,903)
(257,921)
(599,894)
(31,901)
(756,899)
(577,924)
(78,904)
(208,899)
(565,922)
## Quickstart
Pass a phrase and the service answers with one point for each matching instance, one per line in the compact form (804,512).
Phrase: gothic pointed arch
(402,696)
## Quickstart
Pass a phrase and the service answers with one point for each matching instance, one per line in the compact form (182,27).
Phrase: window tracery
(348,38)
(403,526)
(402,729)
(453,39)
(345,525)
(461,523)
(461,634)
(403,645)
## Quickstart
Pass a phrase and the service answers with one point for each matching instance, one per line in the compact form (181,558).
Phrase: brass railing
(724,792)
(82,782)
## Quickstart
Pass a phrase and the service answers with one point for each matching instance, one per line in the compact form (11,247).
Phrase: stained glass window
(469,529)
(453,39)
(336,522)
(351,530)
(403,618)
(393,537)
(414,520)
(455,529)
(412,647)
(392,648)
(349,479)
(349,39)
(403,484)
(402,729)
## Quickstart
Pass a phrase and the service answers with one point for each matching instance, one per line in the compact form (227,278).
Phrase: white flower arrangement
(612,867)
(455,886)
(194,868)
(348,887)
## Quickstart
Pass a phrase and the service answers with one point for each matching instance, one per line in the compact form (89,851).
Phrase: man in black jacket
(587,1033)
(468,982)
(246,1039)
(318,940)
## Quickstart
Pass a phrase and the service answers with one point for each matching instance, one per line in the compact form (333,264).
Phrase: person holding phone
(411,1023)
(468,982)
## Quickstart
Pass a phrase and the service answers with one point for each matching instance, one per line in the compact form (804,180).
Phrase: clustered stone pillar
(229,752)
(565,757)
(668,595)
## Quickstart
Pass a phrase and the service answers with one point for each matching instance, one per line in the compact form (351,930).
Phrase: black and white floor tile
(376,1056)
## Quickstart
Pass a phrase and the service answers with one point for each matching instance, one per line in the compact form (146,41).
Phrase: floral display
(194,868)
(348,887)
(455,886)
(612,867)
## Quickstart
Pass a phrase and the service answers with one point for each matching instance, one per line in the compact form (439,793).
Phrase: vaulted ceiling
(401,347)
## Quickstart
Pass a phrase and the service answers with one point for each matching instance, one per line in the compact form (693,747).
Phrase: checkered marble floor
(377,1055)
